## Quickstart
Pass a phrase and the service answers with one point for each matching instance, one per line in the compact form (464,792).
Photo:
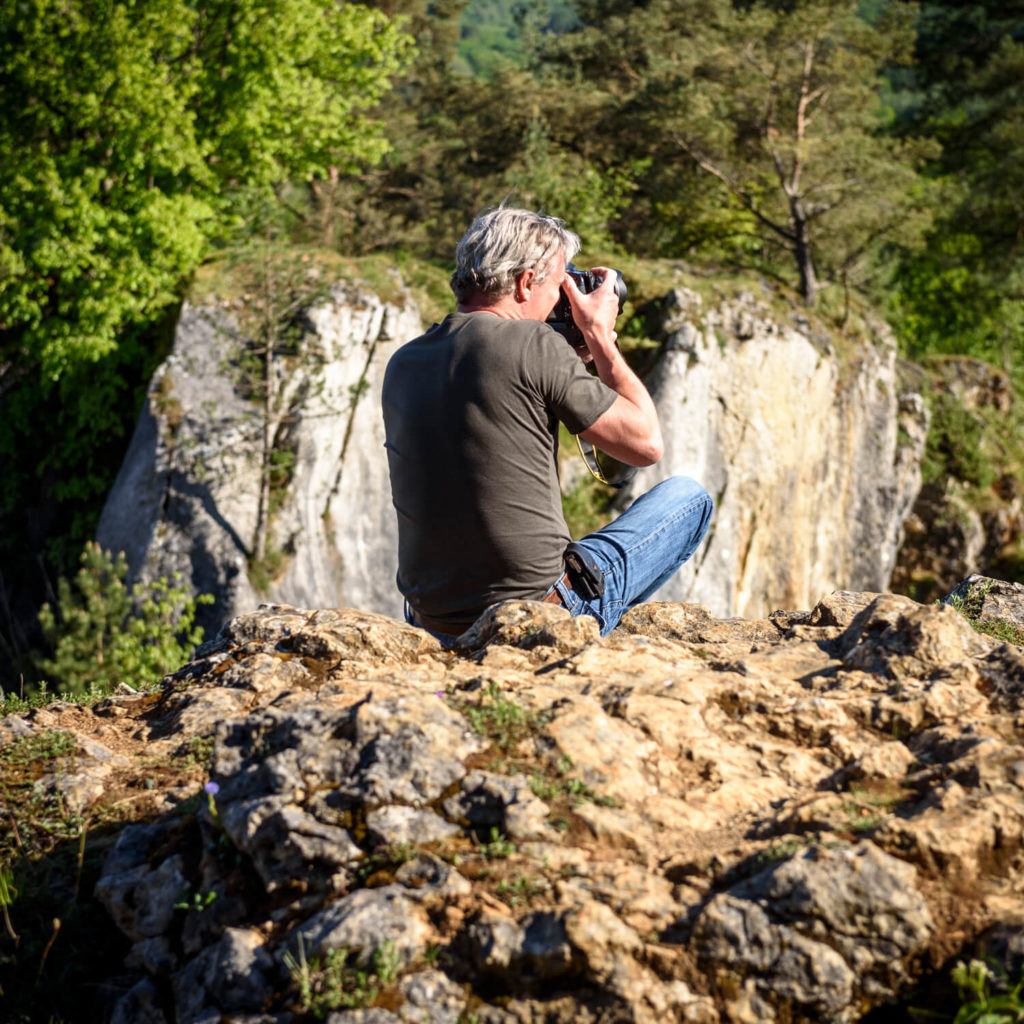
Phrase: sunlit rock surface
(795,818)
(807,441)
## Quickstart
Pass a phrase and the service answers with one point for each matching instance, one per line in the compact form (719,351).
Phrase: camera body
(561,316)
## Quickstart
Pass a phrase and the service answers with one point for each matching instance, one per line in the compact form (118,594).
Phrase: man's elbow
(648,452)
(653,454)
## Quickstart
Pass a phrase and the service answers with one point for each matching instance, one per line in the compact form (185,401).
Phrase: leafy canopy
(777,105)
(129,127)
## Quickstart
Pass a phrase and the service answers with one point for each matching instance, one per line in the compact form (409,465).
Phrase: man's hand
(594,313)
(629,431)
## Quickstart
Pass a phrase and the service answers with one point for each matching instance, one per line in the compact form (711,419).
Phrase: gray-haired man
(471,412)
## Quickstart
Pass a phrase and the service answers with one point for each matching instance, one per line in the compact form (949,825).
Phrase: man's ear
(525,284)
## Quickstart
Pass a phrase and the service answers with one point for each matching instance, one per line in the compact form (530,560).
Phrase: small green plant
(104,633)
(8,894)
(197,901)
(499,718)
(36,815)
(781,851)
(45,746)
(521,889)
(498,847)
(331,982)
(970,607)
(979,1005)
(569,786)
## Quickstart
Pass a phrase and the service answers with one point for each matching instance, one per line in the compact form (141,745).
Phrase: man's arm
(629,430)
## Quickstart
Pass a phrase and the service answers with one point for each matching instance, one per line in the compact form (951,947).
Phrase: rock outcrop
(805,440)
(791,819)
(187,499)
(969,516)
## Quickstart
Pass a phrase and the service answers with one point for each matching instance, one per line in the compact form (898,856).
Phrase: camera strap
(593,464)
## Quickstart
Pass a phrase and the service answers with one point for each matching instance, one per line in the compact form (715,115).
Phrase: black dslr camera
(561,316)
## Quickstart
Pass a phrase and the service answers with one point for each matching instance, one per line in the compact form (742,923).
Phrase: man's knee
(681,491)
(692,508)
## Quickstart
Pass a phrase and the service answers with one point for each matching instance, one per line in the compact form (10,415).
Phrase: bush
(104,634)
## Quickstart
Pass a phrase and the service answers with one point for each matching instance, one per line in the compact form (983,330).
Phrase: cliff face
(810,451)
(187,497)
(324,815)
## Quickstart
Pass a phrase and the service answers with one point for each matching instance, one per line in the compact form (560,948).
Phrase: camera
(561,316)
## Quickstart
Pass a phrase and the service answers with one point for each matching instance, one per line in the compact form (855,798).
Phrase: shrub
(104,633)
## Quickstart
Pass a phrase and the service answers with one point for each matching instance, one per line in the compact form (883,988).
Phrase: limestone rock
(795,818)
(186,499)
(811,453)
(813,459)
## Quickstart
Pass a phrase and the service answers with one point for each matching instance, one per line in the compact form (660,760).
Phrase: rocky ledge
(800,818)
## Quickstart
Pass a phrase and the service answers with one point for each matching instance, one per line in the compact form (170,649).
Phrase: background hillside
(862,157)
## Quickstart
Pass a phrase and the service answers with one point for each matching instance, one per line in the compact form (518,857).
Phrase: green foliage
(195,902)
(129,130)
(979,1004)
(760,127)
(35,812)
(336,979)
(955,444)
(102,633)
(497,846)
(587,507)
(521,889)
(500,718)
(970,608)
(566,785)
(962,293)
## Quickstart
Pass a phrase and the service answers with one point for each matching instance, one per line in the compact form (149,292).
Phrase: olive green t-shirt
(471,413)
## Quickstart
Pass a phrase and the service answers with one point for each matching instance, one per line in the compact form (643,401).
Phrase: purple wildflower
(212,788)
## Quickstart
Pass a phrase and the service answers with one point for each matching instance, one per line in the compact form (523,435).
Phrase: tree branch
(741,194)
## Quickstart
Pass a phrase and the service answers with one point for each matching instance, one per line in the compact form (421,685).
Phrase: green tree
(965,291)
(102,633)
(130,129)
(777,105)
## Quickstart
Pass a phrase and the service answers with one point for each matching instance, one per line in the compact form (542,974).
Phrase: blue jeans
(637,552)
(641,549)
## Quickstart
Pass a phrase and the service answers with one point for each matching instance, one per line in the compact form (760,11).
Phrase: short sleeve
(577,398)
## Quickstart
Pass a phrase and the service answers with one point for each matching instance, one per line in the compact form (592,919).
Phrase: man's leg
(641,549)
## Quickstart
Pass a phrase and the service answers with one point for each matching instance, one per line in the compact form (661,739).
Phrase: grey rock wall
(186,498)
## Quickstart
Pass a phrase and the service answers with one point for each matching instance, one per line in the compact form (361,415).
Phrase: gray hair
(501,244)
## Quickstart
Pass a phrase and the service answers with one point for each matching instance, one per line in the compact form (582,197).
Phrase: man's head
(501,245)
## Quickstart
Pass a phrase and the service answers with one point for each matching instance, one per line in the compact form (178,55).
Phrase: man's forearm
(630,430)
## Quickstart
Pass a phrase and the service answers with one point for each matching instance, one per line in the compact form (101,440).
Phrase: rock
(140,1005)
(233,974)
(142,899)
(814,461)
(365,922)
(691,819)
(989,601)
(187,495)
(431,996)
(818,927)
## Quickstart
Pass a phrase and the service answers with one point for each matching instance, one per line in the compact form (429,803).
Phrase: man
(471,412)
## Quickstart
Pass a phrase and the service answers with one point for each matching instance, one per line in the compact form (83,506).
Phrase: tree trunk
(269,398)
(803,253)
